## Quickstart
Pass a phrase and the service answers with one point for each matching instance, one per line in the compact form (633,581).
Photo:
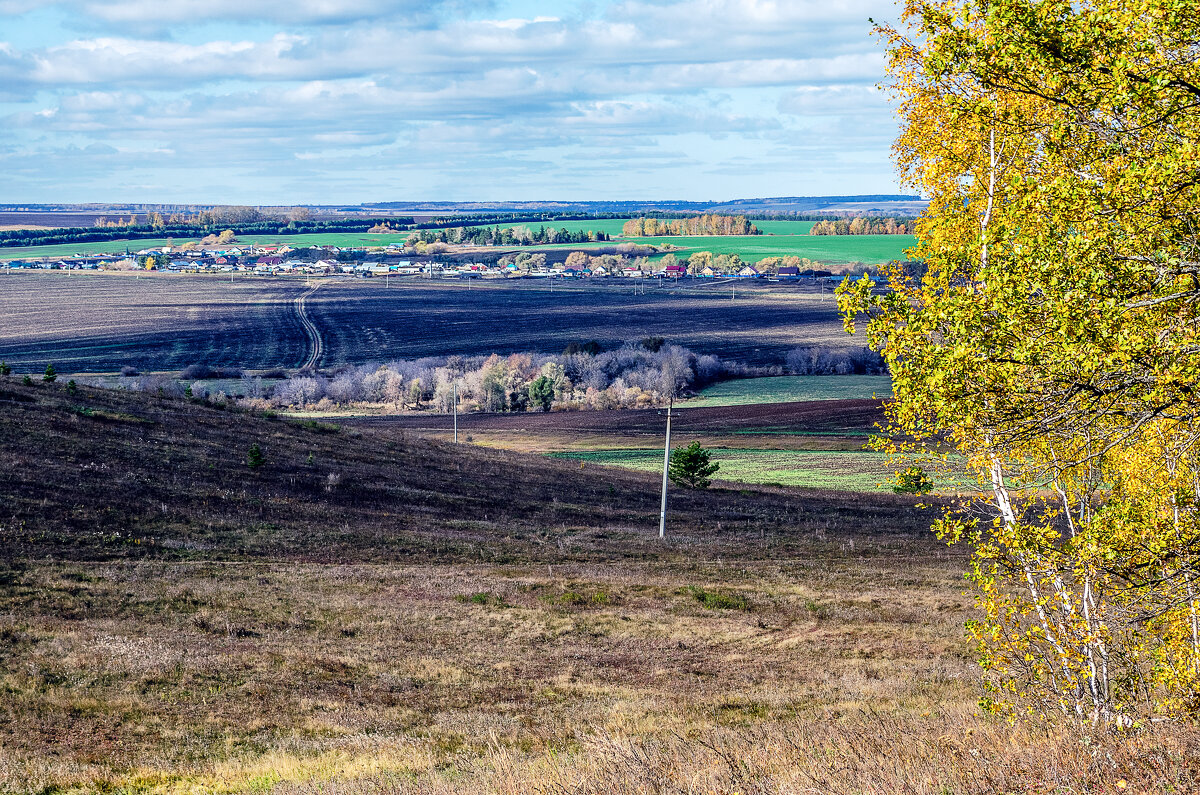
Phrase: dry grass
(474,621)
(128,671)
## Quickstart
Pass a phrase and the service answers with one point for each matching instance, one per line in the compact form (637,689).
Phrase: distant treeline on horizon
(249,220)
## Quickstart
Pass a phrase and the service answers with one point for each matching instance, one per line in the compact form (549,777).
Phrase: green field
(784,227)
(845,471)
(871,249)
(793,388)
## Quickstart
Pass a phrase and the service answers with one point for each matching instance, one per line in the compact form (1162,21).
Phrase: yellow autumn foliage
(1046,328)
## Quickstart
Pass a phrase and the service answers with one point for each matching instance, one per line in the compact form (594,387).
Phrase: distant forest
(691,225)
(863,226)
(505,236)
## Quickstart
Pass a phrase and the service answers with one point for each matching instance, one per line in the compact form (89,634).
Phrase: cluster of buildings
(331,260)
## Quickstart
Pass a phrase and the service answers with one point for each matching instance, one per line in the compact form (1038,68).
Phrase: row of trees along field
(1053,340)
(273,226)
(694,225)
(503,236)
(636,375)
(862,226)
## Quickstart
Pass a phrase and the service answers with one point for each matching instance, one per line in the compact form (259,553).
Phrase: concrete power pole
(662,514)
(456,412)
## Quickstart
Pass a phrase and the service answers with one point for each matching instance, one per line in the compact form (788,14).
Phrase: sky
(347,101)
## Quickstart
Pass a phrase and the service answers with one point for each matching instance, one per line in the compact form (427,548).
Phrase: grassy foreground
(369,612)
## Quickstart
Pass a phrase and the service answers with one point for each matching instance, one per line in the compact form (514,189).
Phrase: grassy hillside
(104,474)
(369,612)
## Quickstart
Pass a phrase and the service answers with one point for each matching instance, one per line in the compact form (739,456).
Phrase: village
(396,260)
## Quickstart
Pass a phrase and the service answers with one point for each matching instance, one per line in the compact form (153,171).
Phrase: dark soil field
(413,319)
(100,322)
(97,322)
(826,424)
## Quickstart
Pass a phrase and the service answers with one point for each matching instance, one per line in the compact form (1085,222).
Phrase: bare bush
(815,360)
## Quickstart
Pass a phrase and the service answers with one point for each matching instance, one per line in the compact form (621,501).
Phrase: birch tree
(1052,339)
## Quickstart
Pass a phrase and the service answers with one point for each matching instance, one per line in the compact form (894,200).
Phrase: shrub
(194,371)
(255,458)
(690,467)
(72,387)
(482,598)
(912,480)
(5,369)
(714,600)
(50,376)
(590,348)
(653,344)
(129,371)
(27,381)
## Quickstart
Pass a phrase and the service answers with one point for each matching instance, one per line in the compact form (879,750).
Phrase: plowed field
(99,322)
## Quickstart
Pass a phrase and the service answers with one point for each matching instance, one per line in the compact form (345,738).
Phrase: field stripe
(310,329)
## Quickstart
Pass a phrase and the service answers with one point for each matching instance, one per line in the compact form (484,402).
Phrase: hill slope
(106,474)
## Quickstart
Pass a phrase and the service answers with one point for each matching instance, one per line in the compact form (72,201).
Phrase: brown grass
(473,621)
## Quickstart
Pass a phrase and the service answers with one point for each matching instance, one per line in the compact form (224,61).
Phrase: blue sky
(338,101)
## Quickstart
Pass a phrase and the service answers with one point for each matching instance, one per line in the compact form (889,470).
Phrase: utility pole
(662,514)
(456,412)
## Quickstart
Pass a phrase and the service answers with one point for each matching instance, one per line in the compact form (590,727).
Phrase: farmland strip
(310,329)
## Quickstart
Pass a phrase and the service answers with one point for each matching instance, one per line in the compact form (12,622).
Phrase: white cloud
(397,84)
(283,12)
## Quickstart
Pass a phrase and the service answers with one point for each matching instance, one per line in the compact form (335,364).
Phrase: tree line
(503,236)
(693,225)
(638,374)
(862,226)
(276,226)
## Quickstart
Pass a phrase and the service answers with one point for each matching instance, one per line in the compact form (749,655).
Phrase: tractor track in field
(315,345)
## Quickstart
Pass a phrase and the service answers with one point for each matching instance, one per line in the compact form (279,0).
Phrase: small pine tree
(690,467)
(541,392)
(187,391)
(72,388)
(5,370)
(27,381)
(255,458)
(50,375)
(912,480)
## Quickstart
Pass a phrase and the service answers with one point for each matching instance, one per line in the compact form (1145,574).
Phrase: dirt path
(315,346)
